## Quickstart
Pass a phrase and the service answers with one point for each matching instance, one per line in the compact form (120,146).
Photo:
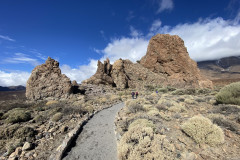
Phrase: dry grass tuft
(202,131)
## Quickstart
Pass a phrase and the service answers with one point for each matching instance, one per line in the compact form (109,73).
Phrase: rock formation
(167,55)
(124,74)
(166,63)
(46,81)
(102,75)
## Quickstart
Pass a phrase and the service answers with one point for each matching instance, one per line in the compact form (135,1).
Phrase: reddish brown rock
(167,55)
(46,81)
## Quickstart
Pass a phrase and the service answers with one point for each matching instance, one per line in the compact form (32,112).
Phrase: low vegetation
(202,131)
(229,94)
(176,124)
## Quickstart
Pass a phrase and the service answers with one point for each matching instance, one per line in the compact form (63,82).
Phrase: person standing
(136,95)
(133,93)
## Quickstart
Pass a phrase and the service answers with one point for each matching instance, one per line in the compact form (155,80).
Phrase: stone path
(97,141)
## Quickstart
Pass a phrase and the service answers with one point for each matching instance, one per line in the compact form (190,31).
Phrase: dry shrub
(147,107)
(153,112)
(6,133)
(17,115)
(227,109)
(56,117)
(161,107)
(133,106)
(102,100)
(177,108)
(141,123)
(141,143)
(166,102)
(13,144)
(220,120)
(230,94)
(87,109)
(51,102)
(115,98)
(165,116)
(24,132)
(190,101)
(202,130)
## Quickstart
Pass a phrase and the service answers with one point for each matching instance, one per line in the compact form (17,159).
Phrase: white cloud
(165,5)
(6,38)
(21,58)
(81,73)
(13,78)
(134,32)
(126,48)
(209,39)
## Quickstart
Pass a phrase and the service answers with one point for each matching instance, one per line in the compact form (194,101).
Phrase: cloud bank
(13,78)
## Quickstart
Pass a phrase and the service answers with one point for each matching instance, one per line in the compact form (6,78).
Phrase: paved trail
(97,141)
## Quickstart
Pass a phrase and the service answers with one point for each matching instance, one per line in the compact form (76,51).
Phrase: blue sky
(77,33)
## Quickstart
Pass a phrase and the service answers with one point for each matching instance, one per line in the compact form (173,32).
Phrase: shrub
(189,91)
(220,120)
(39,118)
(142,123)
(133,106)
(6,133)
(153,112)
(114,98)
(51,102)
(202,131)
(190,101)
(229,94)
(87,109)
(56,117)
(149,87)
(141,143)
(177,108)
(17,115)
(227,109)
(163,90)
(161,107)
(12,145)
(24,132)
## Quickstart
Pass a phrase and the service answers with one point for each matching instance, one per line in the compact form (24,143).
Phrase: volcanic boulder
(46,81)
(167,55)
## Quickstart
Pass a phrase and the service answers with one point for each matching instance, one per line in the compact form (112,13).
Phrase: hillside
(222,71)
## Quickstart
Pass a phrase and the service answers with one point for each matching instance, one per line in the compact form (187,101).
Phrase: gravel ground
(97,141)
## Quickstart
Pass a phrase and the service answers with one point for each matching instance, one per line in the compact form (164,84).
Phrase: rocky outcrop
(46,81)
(166,63)
(102,75)
(167,55)
(125,74)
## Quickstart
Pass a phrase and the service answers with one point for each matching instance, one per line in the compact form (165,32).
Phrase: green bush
(229,94)
(17,115)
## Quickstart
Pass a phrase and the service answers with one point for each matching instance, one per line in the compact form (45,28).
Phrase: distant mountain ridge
(225,70)
(13,88)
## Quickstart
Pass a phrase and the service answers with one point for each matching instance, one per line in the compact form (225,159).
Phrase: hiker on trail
(136,95)
(133,93)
